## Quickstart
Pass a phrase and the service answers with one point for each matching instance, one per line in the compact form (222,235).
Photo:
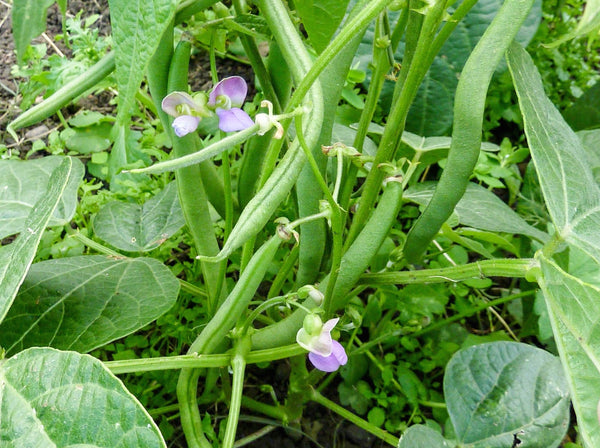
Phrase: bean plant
(320,201)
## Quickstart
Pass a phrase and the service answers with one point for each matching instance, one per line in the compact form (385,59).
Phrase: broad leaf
(137,27)
(481,209)
(574,309)
(59,399)
(23,183)
(133,227)
(16,258)
(28,21)
(321,19)
(81,303)
(420,436)
(498,390)
(570,191)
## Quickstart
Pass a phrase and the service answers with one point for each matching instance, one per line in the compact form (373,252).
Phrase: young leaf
(574,307)
(23,183)
(132,227)
(571,193)
(498,390)
(81,303)
(50,398)
(29,21)
(137,28)
(16,258)
(321,19)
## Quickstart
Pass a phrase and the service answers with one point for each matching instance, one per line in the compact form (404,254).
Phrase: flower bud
(312,324)
(312,292)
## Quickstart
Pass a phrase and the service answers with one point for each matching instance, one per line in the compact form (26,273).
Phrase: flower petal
(233,120)
(304,339)
(321,344)
(330,324)
(172,100)
(233,87)
(339,353)
(185,124)
(332,362)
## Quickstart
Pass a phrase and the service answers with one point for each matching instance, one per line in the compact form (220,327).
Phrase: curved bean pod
(469,106)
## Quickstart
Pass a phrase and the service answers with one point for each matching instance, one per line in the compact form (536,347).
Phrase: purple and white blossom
(226,100)
(187,111)
(325,354)
(331,363)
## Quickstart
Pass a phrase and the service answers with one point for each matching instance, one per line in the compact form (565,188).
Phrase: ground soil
(319,427)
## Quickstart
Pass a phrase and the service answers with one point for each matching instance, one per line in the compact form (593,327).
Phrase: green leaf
(481,209)
(59,399)
(585,112)
(496,390)
(81,303)
(321,19)
(570,191)
(137,27)
(574,309)
(23,183)
(16,258)
(28,22)
(591,142)
(421,436)
(140,228)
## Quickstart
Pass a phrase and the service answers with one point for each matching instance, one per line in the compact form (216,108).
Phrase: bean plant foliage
(337,212)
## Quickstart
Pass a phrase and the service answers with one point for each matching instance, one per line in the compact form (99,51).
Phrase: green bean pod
(309,194)
(65,94)
(469,106)
(158,75)
(189,181)
(354,263)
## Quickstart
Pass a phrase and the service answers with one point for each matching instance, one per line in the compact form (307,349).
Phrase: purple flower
(186,110)
(332,362)
(315,336)
(233,120)
(325,354)
(226,99)
(184,124)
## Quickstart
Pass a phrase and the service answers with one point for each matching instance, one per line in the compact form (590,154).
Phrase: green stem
(199,361)
(380,69)
(283,272)
(397,119)
(276,412)
(258,65)
(351,417)
(238,364)
(510,267)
